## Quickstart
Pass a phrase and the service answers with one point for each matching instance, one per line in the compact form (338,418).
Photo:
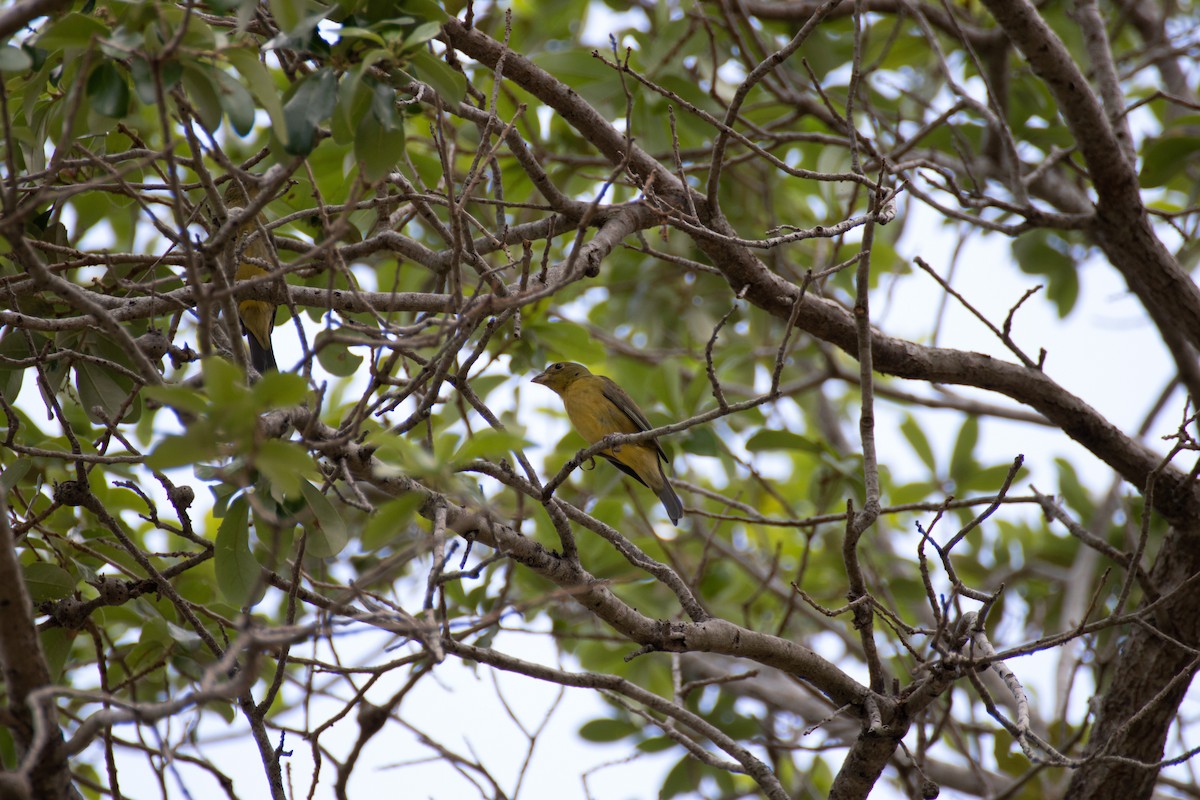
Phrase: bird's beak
(540,378)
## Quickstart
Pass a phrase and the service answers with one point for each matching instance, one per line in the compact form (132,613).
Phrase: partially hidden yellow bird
(597,407)
(258,316)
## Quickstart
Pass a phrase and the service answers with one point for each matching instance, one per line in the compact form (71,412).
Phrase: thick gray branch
(1121,227)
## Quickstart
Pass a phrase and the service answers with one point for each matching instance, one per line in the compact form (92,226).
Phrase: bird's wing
(626,469)
(621,399)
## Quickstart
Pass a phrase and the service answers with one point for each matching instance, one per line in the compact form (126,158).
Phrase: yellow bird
(258,316)
(597,407)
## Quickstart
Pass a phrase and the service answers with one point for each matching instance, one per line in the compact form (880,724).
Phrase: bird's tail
(257,319)
(263,358)
(670,501)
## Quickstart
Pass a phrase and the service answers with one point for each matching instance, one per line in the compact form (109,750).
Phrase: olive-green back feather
(621,399)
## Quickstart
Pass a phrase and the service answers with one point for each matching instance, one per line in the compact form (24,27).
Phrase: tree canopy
(707,202)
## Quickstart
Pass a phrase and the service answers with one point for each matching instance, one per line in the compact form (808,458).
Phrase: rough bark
(1152,675)
(43,774)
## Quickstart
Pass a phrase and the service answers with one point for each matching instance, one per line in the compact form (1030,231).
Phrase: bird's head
(560,375)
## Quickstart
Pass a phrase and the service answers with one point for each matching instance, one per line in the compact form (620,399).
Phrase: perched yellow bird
(597,407)
(258,316)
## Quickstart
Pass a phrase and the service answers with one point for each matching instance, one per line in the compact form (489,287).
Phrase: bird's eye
(558,366)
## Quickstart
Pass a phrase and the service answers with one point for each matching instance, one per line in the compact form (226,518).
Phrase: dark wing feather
(627,470)
(621,399)
(261,357)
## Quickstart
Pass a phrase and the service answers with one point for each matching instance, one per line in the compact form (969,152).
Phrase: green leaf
(14,345)
(489,443)
(225,383)
(1072,489)
(390,519)
(566,340)
(351,32)
(279,390)
(238,573)
(237,102)
(56,645)
(576,67)
(702,442)
(354,101)
(377,149)
(607,730)
(185,450)
(920,444)
(289,14)
(225,711)
(485,384)
(283,464)
(225,6)
(328,536)
(782,440)
(1044,253)
(913,492)
(421,34)
(108,91)
(276,534)
(13,474)
(145,653)
(1008,757)
(102,393)
(354,96)
(155,630)
(403,453)
(1163,158)
(335,356)
(986,479)
(311,103)
(47,581)
(684,777)
(656,744)
(962,460)
(75,30)
(177,396)
(425,9)
(181,635)
(301,34)
(142,73)
(261,86)
(204,97)
(450,84)
(383,106)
